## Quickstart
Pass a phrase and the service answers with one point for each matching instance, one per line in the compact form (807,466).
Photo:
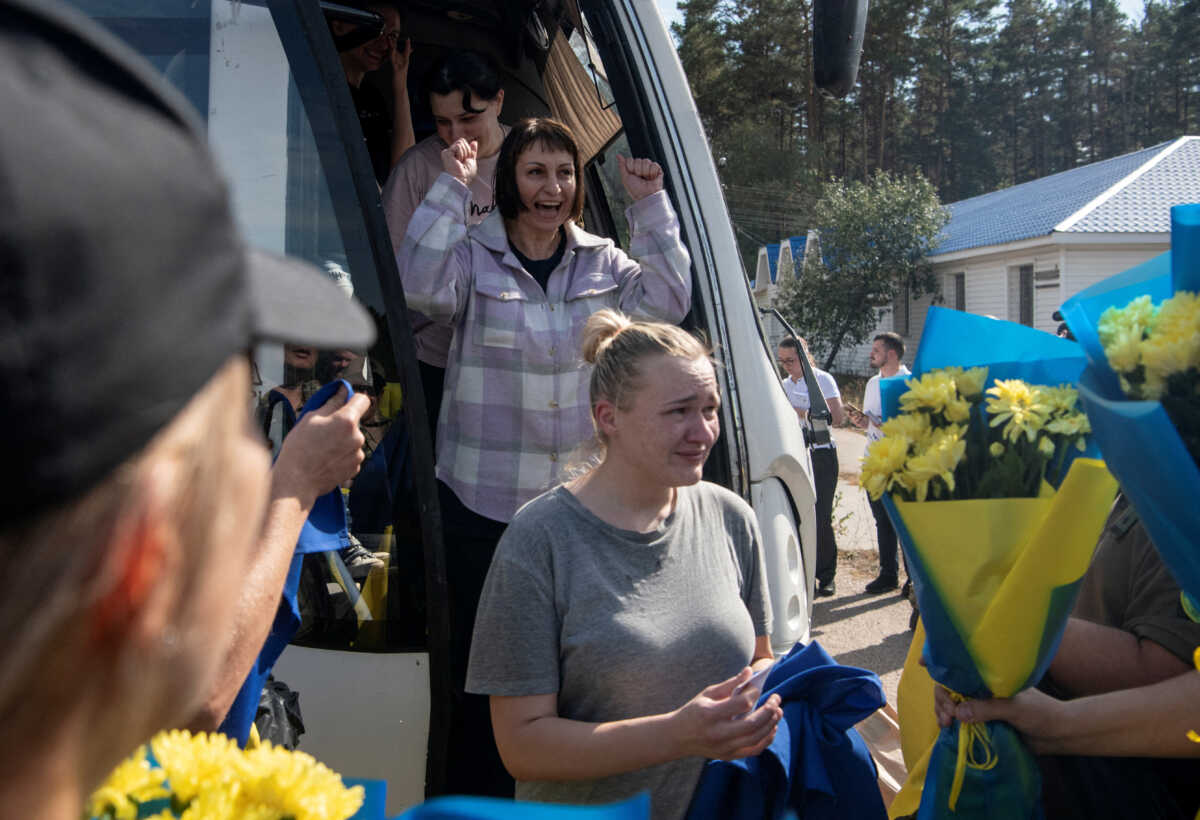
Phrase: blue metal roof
(773,260)
(798,244)
(1145,203)
(1034,208)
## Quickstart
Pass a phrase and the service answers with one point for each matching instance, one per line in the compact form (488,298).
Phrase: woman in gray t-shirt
(616,598)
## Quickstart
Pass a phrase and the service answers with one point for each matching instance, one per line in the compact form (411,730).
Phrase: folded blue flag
(818,765)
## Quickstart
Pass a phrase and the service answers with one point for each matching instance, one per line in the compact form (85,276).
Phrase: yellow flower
(1058,400)
(197,762)
(938,460)
(1179,315)
(297,786)
(1046,446)
(1016,402)
(997,449)
(958,410)
(1133,318)
(881,464)
(1169,353)
(1071,424)
(931,392)
(1124,351)
(133,781)
(215,780)
(970,382)
(913,426)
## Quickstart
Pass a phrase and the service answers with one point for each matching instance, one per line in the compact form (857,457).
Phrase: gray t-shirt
(621,624)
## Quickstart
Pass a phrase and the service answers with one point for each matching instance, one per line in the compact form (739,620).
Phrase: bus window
(292,195)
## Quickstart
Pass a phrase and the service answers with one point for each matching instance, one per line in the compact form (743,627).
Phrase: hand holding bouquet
(980,470)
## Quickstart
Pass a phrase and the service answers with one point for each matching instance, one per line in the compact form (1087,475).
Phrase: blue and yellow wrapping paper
(1139,442)
(995,580)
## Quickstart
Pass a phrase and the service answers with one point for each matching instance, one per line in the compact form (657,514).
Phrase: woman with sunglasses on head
(625,609)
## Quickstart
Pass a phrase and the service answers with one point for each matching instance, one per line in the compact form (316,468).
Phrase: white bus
(370,664)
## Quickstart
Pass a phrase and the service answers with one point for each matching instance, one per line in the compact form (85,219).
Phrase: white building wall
(987,287)
(1087,266)
(1046,300)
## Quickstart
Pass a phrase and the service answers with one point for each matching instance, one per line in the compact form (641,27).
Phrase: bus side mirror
(838,29)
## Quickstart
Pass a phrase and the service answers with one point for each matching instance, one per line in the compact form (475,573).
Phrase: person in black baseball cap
(143,534)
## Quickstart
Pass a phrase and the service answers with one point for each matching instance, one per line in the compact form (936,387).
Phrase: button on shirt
(797,393)
(516,388)
(873,404)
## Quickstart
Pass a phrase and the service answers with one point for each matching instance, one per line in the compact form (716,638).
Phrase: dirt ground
(868,631)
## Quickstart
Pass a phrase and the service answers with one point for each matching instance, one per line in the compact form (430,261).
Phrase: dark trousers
(885,534)
(474,765)
(825,475)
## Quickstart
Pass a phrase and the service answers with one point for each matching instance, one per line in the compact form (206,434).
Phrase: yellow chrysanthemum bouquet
(1155,351)
(1141,389)
(181,776)
(983,471)
(949,443)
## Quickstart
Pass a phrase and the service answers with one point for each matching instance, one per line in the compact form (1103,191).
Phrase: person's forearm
(555,748)
(659,282)
(837,414)
(429,268)
(403,136)
(259,598)
(1150,721)
(1093,658)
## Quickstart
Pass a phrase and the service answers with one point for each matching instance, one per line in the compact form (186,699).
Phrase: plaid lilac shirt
(516,388)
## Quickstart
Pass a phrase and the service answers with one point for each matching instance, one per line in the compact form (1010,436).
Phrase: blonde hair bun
(601,329)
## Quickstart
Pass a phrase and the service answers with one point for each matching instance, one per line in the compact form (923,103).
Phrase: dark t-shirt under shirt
(540,269)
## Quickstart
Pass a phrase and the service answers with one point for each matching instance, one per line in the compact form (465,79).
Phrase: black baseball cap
(124,282)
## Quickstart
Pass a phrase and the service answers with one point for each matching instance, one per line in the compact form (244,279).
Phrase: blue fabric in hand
(818,765)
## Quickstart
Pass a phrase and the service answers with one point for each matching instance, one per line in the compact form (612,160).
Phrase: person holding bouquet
(1112,712)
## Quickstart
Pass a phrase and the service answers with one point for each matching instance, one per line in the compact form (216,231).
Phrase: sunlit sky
(1132,9)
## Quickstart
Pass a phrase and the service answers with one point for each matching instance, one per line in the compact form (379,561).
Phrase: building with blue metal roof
(1020,252)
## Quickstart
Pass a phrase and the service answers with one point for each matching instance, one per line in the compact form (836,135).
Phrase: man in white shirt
(824,454)
(886,352)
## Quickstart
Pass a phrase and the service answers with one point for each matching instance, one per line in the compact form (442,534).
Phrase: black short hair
(548,132)
(471,72)
(892,341)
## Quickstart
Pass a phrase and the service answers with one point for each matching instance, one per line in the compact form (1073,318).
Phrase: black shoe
(826,589)
(882,584)
(906,590)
